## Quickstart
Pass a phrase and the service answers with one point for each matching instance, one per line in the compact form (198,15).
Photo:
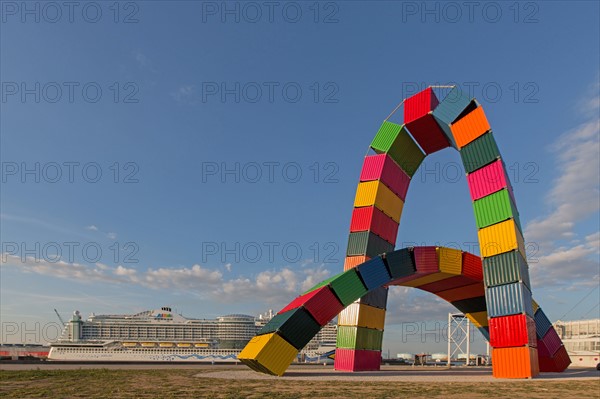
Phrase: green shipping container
(480,152)
(495,208)
(394,140)
(347,286)
(367,243)
(296,326)
(359,338)
(506,268)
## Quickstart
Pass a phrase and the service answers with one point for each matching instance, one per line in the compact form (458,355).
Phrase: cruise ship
(162,335)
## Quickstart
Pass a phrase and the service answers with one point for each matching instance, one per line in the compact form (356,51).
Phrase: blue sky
(204,155)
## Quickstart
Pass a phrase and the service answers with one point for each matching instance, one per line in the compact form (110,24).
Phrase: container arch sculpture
(494,291)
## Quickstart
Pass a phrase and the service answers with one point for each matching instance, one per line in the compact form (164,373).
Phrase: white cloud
(112,236)
(91,227)
(228,267)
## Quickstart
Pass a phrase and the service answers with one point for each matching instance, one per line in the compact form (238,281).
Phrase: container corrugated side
(426,259)
(428,134)
(376,193)
(505,268)
(400,263)
(385,137)
(367,243)
(487,180)
(348,287)
(552,341)
(495,208)
(514,330)
(372,219)
(374,273)
(322,304)
(357,360)
(394,140)
(479,319)
(509,299)
(297,326)
(535,305)
(361,315)
(448,110)
(558,363)
(461,293)
(447,284)
(467,129)
(376,298)
(450,260)
(301,300)
(359,338)
(499,238)
(382,167)
(471,305)
(419,104)
(268,354)
(421,281)
(521,362)
(542,323)
(480,152)
(472,266)
(353,261)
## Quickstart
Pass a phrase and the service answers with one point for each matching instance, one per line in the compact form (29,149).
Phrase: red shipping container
(460,293)
(357,360)
(488,180)
(382,167)
(551,342)
(420,123)
(370,218)
(426,260)
(557,363)
(472,266)
(322,304)
(447,284)
(510,331)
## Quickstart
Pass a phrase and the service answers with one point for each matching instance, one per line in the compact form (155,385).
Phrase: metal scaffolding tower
(459,337)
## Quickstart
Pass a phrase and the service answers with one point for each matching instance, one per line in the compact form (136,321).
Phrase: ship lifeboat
(166,344)
(201,345)
(148,344)
(184,344)
(129,344)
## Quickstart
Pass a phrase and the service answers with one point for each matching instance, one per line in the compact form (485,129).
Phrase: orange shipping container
(471,126)
(353,261)
(518,362)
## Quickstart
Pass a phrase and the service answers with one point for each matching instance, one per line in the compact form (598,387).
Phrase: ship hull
(140,355)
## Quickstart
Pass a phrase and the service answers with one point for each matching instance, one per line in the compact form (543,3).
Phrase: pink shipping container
(551,342)
(382,167)
(488,180)
(447,284)
(322,304)
(372,219)
(510,331)
(557,363)
(357,360)
(420,123)
(426,260)
(472,266)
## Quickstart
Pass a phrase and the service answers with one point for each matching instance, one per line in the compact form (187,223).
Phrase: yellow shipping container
(499,238)
(431,278)
(450,260)
(376,193)
(361,315)
(535,305)
(478,318)
(268,353)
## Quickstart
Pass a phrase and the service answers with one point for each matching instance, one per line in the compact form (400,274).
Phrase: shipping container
(461,293)
(353,261)
(321,303)
(376,298)
(514,330)
(359,338)
(347,286)
(449,109)
(372,219)
(394,140)
(542,323)
(447,284)
(479,319)
(361,315)
(480,152)
(382,167)
(485,331)
(268,353)
(505,268)
(471,305)
(508,299)
(499,238)
(551,342)
(470,127)
(400,263)
(521,362)
(376,193)
(416,281)
(374,273)
(428,134)
(296,326)
(419,105)
(495,208)
(357,360)
(557,363)
(450,260)
(367,243)
(471,266)
(534,305)
(488,180)
(426,259)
